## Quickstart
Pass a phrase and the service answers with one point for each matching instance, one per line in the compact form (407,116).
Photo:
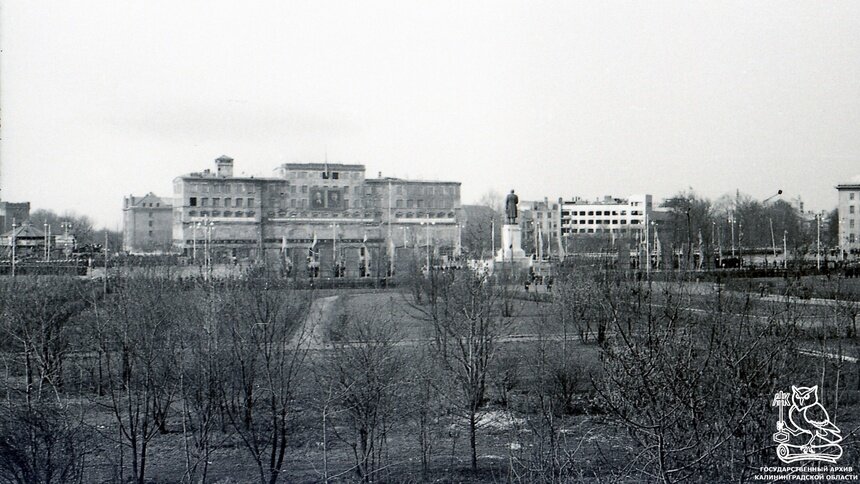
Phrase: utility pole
(818,248)
(720,244)
(427,235)
(732,224)
(772,238)
(208,257)
(106,263)
(647,247)
(334,251)
(391,247)
(14,245)
(194,226)
(493,237)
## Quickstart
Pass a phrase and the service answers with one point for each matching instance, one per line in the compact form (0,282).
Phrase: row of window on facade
(374,190)
(566,213)
(325,175)
(407,215)
(216,202)
(217,213)
(566,231)
(222,187)
(603,222)
(150,205)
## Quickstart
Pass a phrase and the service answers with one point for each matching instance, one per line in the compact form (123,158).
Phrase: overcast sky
(104,99)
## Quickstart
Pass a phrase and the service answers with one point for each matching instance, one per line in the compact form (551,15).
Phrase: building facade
(147,224)
(327,218)
(13,213)
(609,215)
(849,219)
(541,226)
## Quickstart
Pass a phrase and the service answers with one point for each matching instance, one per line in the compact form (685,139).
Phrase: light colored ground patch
(499,420)
(312,333)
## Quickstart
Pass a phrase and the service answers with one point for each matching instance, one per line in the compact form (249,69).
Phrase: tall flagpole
(390,241)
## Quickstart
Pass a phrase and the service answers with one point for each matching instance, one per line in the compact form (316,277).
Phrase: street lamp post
(427,225)
(194,227)
(14,246)
(732,225)
(334,250)
(785,249)
(492,237)
(647,247)
(45,250)
(208,258)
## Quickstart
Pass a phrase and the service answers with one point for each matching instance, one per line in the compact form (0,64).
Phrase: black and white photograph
(429,242)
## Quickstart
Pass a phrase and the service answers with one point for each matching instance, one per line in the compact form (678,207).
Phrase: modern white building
(606,215)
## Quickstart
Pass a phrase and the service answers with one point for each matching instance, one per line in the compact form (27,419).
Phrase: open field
(559,386)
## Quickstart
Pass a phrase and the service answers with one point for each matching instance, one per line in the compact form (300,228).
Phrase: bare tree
(467,313)
(138,340)
(201,386)
(688,386)
(265,361)
(37,319)
(367,370)
(42,443)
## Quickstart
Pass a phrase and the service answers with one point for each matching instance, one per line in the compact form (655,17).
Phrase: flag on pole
(311,252)
(391,252)
(540,244)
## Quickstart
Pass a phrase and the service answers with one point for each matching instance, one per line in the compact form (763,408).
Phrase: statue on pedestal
(511,202)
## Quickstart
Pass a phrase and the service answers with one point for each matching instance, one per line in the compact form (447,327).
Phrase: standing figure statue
(511,202)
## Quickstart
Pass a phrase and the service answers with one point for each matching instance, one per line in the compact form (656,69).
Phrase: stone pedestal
(511,251)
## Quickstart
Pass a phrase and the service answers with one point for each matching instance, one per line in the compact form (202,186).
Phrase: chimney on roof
(380,175)
(225,166)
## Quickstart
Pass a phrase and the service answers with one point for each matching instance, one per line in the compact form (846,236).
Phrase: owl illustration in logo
(809,433)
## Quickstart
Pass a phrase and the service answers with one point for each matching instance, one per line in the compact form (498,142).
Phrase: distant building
(849,219)
(606,216)
(322,215)
(13,213)
(541,224)
(147,224)
(29,241)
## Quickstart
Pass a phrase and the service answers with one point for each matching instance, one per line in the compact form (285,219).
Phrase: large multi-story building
(609,215)
(849,219)
(147,223)
(323,215)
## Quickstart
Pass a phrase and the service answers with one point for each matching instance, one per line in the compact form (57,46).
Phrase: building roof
(150,198)
(209,175)
(224,159)
(25,231)
(848,186)
(322,166)
(408,180)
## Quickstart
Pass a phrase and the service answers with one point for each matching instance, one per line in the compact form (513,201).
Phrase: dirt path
(312,332)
